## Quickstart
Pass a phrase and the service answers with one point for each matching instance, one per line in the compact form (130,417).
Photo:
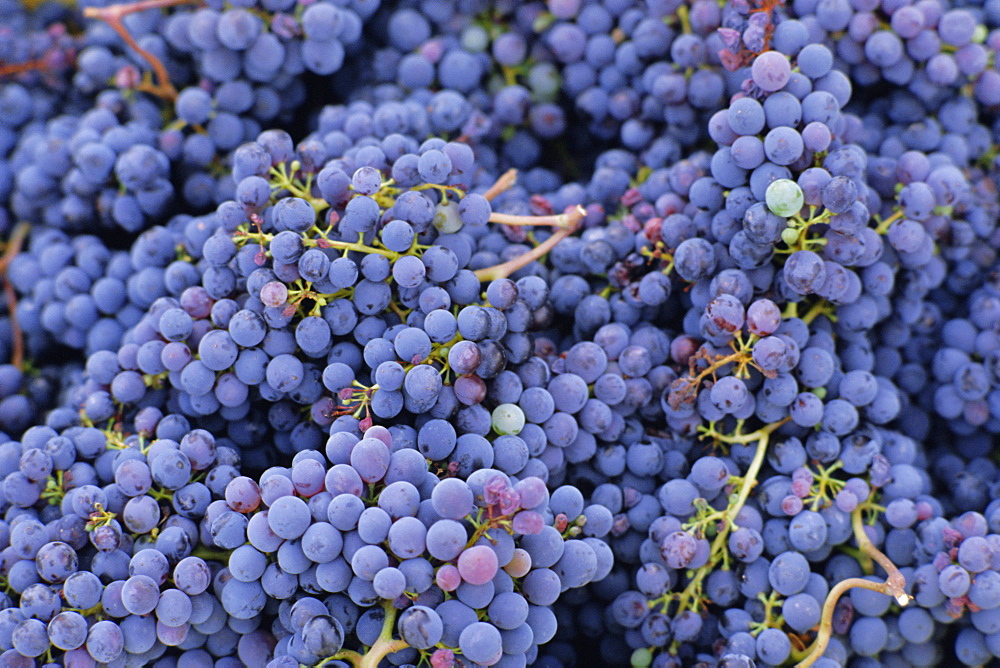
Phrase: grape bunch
(458,565)
(111,553)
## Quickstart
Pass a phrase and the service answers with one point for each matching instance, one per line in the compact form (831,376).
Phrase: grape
(56,561)
(323,635)
(508,419)
(389,583)
(371,459)
(243,494)
(452,499)
(773,645)
(784,197)
(67,630)
(478,564)
(788,573)
(868,635)
(481,642)
(746,116)
(679,549)
(288,517)
(105,641)
(30,638)
(420,626)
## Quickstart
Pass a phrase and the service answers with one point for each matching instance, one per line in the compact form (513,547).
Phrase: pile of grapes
(455,333)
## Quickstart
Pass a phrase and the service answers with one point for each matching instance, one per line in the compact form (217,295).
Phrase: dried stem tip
(504,183)
(567,224)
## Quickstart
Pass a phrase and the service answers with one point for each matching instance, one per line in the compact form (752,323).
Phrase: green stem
(208,554)
(718,552)
(818,309)
(492,523)
(355,246)
(884,225)
(771,602)
(684,18)
(443,189)
(764,435)
(384,646)
(285,180)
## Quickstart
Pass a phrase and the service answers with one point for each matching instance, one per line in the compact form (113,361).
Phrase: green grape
(789,235)
(508,419)
(544,80)
(475,39)
(446,218)
(641,658)
(784,197)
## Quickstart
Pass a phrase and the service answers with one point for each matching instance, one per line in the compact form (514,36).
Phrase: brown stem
(826,619)
(113,15)
(14,245)
(895,582)
(124,9)
(20,68)
(515,220)
(893,586)
(17,354)
(569,224)
(505,182)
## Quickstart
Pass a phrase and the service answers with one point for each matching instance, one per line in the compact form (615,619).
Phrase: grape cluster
(111,551)
(375,532)
(629,71)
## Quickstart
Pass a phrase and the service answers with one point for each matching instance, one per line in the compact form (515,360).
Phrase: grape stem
(718,552)
(762,436)
(514,220)
(895,581)
(893,586)
(209,554)
(13,69)
(687,387)
(684,18)
(567,225)
(772,603)
(358,246)
(502,184)
(819,308)
(500,522)
(384,646)
(284,178)
(113,15)
(884,225)
(14,245)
